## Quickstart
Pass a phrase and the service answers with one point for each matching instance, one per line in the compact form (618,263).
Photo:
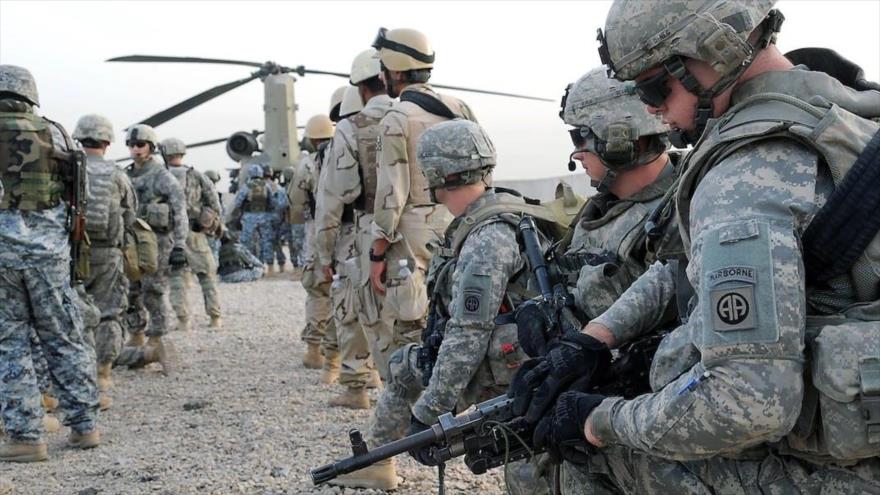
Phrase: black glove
(561,432)
(570,363)
(422,455)
(530,328)
(177,259)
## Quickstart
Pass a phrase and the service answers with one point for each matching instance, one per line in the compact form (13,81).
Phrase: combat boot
(184,324)
(136,339)
(84,441)
(270,269)
(352,398)
(313,359)
(375,381)
(13,451)
(105,381)
(281,267)
(216,322)
(332,363)
(49,402)
(380,476)
(104,401)
(51,423)
(159,351)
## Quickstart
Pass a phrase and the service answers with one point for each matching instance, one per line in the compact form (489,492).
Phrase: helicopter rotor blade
(190,103)
(495,93)
(206,143)
(303,70)
(197,60)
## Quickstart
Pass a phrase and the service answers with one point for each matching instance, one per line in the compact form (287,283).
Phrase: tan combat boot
(379,476)
(13,451)
(105,381)
(313,359)
(184,324)
(84,441)
(162,352)
(352,398)
(270,269)
(136,340)
(104,401)
(332,363)
(49,402)
(216,322)
(51,423)
(375,381)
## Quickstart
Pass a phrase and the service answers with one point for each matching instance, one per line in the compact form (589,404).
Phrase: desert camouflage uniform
(404,214)
(301,194)
(256,220)
(38,300)
(111,210)
(200,193)
(735,411)
(154,184)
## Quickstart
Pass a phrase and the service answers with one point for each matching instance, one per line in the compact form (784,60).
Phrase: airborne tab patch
(733,306)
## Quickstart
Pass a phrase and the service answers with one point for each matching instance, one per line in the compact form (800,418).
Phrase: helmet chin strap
(604,185)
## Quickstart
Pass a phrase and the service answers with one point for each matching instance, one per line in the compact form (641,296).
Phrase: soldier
(237,263)
(747,409)
(320,329)
(292,229)
(203,211)
(37,171)
(336,230)
(215,240)
(162,205)
(404,220)
(255,202)
(112,209)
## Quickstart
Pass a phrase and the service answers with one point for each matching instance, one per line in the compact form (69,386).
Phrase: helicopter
(280,146)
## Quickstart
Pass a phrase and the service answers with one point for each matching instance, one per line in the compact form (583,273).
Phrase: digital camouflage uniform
(257,214)
(238,264)
(739,412)
(360,331)
(404,215)
(200,193)
(162,204)
(38,300)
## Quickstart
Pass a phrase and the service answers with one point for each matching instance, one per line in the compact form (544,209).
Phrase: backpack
(258,196)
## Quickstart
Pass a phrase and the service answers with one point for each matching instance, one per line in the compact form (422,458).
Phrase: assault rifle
(490,435)
(74,172)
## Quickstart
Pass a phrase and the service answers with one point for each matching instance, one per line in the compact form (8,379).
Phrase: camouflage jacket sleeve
(746,268)
(171,189)
(209,194)
(127,198)
(301,185)
(392,178)
(488,260)
(240,196)
(340,186)
(641,307)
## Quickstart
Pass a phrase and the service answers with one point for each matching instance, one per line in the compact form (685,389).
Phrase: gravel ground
(240,416)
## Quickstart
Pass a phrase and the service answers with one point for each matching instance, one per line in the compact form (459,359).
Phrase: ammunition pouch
(140,251)
(208,222)
(158,216)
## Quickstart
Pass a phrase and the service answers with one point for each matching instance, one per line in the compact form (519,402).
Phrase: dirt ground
(240,416)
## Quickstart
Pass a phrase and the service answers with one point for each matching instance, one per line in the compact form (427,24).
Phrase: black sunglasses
(579,137)
(654,90)
(137,144)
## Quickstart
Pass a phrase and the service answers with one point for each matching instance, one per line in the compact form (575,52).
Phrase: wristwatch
(376,257)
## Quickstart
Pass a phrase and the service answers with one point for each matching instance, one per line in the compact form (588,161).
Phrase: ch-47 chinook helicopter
(280,144)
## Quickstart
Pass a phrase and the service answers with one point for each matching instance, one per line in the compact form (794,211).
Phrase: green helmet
(173,146)
(213,175)
(142,132)
(608,120)
(20,82)
(455,153)
(640,35)
(93,126)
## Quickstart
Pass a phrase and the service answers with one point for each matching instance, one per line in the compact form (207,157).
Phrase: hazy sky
(521,47)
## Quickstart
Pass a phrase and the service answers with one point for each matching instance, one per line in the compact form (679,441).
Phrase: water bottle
(337,282)
(403,272)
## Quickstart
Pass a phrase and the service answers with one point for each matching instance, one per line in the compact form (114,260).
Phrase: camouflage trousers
(40,301)
(201,263)
(108,286)
(318,315)
(258,224)
(374,315)
(243,275)
(281,235)
(357,364)
(297,244)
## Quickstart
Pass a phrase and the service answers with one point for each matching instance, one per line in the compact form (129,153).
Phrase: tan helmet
(404,49)
(93,126)
(351,102)
(364,66)
(172,146)
(319,127)
(336,102)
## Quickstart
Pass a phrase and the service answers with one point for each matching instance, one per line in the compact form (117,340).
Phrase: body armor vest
(103,219)
(30,167)
(257,196)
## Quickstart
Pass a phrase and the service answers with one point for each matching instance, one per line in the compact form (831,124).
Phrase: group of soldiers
(751,259)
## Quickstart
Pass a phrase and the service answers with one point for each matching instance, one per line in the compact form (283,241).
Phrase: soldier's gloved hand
(561,432)
(177,259)
(570,363)
(422,455)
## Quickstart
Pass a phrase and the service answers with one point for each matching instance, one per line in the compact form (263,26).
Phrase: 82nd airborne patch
(732,298)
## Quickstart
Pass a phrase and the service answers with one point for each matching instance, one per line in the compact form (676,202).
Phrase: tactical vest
(30,167)
(153,206)
(257,196)
(103,220)
(366,133)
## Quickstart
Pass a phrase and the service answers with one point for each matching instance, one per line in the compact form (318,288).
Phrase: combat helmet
(20,82)
(213,175)
(642,35)
(454,153)
(404,49)
(352,102)
(95,127)
(172,146)
(336,103)
(142,132)
(255,171)
(365,66)
(608,119)
(319,127)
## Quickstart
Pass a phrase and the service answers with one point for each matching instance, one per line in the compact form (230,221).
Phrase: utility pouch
(158,216)
(505,354)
